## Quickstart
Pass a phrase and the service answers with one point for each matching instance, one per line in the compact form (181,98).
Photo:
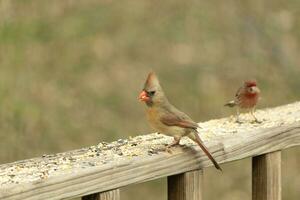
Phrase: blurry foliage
(70,73)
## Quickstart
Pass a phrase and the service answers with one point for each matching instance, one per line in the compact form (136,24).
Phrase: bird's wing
(178,119)
(238,94)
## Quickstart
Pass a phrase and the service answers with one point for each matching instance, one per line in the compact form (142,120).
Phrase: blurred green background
(71,71)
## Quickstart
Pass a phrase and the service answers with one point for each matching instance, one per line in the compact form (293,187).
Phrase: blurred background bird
(167,119)
(246,97)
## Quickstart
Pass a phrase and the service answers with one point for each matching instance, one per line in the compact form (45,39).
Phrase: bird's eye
(151,93)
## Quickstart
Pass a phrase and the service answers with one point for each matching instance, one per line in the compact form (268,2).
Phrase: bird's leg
(238,116)
(252,113)
(175,142)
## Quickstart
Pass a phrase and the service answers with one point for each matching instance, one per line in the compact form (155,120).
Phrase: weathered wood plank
(266,176)
(71,174)
(111,176)
(186,186)
(109,195)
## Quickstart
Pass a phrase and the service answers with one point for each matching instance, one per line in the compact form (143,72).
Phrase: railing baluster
(109,195)
(98,170)
(186,186)
(266,176)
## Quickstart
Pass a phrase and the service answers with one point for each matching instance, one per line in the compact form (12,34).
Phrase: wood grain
(82,181)
(186,186)
(266,176)
(109,195)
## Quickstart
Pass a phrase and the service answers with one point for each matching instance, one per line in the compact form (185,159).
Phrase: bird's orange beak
(143,96)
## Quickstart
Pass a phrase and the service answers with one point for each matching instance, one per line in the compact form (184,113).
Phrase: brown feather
(198,140)
(245,99)
(167,119)
(173,120)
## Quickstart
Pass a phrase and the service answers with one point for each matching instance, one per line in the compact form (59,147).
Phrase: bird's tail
(230,104)
(198,140)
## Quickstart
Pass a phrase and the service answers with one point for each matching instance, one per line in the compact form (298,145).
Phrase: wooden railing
(99,171)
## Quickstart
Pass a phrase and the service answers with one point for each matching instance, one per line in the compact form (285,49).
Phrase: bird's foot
(168,147)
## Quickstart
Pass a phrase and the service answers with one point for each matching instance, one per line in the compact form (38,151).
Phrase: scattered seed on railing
(147,145)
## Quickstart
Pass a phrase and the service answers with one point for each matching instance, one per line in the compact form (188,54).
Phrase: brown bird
(167,119)
(246,97)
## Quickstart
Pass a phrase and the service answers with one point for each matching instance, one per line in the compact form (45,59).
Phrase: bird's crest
(152,82)
(250,83)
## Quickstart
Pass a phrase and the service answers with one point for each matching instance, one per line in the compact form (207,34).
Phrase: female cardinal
(246,97)
(167,119)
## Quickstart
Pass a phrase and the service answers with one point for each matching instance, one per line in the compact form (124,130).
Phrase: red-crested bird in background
(246,97)
(167,119)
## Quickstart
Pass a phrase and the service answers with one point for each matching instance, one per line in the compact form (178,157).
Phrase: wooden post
(109,195)
(186,186)
(266,176)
